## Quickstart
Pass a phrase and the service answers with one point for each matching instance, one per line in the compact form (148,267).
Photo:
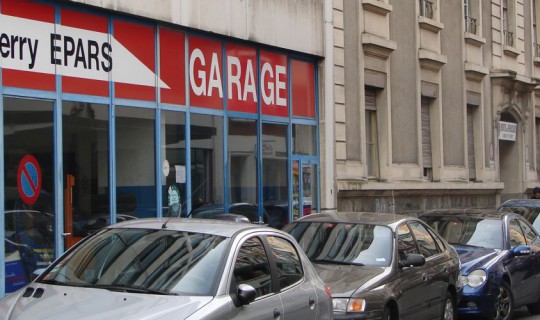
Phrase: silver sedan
(177,269)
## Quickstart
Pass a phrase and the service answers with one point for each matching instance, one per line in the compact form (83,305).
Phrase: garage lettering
(21,48)
(79,53)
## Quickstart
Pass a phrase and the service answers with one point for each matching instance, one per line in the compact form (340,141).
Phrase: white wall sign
(507,131)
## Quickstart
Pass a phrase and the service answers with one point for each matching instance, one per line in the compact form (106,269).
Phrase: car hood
(345,280)
(87,303)
(476,257)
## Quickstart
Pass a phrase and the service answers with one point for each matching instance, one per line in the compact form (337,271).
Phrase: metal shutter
(426,134)
(470,143)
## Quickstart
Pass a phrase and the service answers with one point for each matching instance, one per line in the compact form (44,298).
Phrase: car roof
(466,212)
(527,203)
(208,226)
(375,218)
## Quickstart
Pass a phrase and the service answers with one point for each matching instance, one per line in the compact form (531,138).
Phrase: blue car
(500,260)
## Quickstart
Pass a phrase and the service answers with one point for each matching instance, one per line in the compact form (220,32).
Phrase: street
(522,314)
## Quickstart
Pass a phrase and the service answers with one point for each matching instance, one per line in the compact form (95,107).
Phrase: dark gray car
(381,266)
(177,269)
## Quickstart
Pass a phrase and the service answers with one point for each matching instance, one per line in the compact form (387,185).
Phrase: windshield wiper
(128,288)
(328,261)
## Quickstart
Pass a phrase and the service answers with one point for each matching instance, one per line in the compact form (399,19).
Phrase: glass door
(28,188)
(304,180)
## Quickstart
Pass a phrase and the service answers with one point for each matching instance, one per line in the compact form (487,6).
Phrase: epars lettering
(81,53)
(21,48)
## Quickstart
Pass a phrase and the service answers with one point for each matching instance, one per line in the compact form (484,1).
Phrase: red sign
(241,78)
(303,88)
(172,57)
(205,67)
(90,51)
(274,94)
(88,54)
(139,40)
(29,179)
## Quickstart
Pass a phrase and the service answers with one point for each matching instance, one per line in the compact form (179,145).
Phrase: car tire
(387,313)
(449,311)
(504,305)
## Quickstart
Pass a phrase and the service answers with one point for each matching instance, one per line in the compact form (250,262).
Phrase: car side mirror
(521,250)
(412,260)
(246,294)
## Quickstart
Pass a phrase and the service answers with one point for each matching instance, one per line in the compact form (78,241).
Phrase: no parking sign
(29,179)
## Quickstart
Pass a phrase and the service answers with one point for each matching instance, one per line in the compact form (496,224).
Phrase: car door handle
(311,302)
(277,313)
(425,277)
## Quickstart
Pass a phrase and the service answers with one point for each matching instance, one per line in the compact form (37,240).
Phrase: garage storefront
(106,118)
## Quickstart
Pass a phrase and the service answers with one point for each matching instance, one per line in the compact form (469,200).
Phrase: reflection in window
(163,260)
(287,260)
(274,149)
(343,242)
(304,142)
(469,231)
(252,267)
(242,142)
(135,162)
(173,149)
(86,166)
(206,159)
(29,221)
(426,243)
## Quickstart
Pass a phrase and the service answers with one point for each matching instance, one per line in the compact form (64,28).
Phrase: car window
(287,260)
(161,260)
(406,243)
(529,232)
(354,243)
(467,230)
(439,241)
(424,239)
(517,238)
(253,268)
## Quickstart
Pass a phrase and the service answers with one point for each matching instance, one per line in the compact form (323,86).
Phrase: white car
(177,269)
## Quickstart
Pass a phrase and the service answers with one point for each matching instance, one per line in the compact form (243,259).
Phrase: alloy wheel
(448,310)
(503,304)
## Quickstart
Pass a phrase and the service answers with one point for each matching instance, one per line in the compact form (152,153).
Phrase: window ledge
(377,6)
(510,51)
(429,24)
(431,60)
(474,40)
(475,72)
(376,46)
(536,61)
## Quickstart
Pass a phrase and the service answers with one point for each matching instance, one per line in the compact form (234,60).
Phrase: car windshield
(344,243)
(143,260)
(469,231)
(530,214)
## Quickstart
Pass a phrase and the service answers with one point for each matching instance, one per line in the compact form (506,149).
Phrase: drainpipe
(328,186)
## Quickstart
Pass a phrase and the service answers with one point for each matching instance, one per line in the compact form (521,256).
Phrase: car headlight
(349,305)
(476,278)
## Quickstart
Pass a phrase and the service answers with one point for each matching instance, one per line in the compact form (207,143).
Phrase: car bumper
(477,304)
(370,315)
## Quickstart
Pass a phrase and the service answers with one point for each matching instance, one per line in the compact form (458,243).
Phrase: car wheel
(504,305)
(387,313)
(449,310)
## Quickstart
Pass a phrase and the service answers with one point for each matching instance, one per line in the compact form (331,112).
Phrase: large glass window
(135,162)
(207,159)
(173,157)
(29,188)
(86,168)
(304,142)
(243,160)
(274,149)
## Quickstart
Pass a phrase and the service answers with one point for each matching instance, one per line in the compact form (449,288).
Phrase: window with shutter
(371,132)
(470,142)
(426,137)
